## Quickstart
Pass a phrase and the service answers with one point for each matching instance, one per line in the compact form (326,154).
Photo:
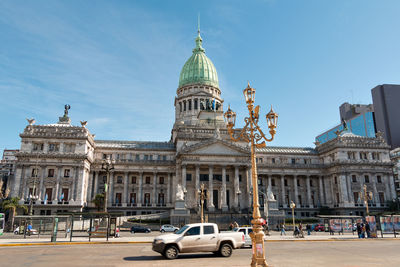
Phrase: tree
(13,205)
(99,201)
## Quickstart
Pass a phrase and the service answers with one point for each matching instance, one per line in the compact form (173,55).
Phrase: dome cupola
(198,69)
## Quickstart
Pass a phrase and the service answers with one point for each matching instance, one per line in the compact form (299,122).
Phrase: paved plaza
(279,253)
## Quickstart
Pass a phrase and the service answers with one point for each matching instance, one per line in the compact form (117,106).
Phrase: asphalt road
(286,253)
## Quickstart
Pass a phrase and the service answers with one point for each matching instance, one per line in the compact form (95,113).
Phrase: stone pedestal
(180,215)
(275,216)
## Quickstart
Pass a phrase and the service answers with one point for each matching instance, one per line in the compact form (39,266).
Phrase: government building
(60,164)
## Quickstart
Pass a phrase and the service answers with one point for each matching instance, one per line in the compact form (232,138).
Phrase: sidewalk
(127,238)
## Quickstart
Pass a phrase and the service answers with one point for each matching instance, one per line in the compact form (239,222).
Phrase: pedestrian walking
(283,229)
(359,230)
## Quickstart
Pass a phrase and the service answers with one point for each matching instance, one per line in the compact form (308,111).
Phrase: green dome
(198,68)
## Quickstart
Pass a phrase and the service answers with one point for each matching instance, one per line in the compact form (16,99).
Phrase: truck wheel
(225,250)
(171,252)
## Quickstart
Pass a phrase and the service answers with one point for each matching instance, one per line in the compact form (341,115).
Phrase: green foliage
(12,205)
(99,201)
(393,205)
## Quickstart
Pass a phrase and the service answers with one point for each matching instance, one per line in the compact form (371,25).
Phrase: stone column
(249,186)
(139,203)
(321,192)
(343,189)
(376,196)
(111,190)
(349,191)
(236,187)
(74,178)
(57,189)
(19,177)
(154,202)
(41,187)
(224,206)
(183,177)
(89,187)
(392,187)
(309,201)
(296,192)
(96,184)
(125,195)
(169,189)
(197,182)
(211,188)
(283,191)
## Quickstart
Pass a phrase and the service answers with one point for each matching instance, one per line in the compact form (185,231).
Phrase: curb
(149,242)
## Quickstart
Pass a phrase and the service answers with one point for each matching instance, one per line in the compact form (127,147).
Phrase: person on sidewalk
(359,230)
(308,228)
(368,230)
(29,229)
(283,229)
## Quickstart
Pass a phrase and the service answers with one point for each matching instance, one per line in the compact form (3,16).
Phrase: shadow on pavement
(184,256)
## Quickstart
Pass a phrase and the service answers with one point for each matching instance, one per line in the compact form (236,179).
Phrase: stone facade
(64,160)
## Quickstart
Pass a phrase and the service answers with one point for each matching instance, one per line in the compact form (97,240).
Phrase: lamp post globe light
(253,134)
(292,206)
(107,166)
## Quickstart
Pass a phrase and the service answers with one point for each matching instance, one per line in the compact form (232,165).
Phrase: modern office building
(62,163)
(386,99)
(359,120)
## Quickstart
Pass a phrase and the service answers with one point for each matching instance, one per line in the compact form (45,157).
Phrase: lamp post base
(257,238)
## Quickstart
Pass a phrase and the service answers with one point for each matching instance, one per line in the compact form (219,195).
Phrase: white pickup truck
(198,237)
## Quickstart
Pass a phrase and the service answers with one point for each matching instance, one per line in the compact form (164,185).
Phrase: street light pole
(107,166)
(252,134)
(367,196)
(292,206)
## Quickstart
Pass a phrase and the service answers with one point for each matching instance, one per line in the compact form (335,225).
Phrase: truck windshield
(183,229)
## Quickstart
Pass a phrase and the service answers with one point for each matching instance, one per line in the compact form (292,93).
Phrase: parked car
(33,231)
(168,228)
(140,229)
(319,228)
(246,230)
(198,237)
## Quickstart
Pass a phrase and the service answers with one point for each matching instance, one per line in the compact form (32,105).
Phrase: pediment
(216,147)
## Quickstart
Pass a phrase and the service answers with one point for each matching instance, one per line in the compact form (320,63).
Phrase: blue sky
(117,63)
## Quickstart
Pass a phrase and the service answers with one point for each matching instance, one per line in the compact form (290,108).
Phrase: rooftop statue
(67,107)
(270,194)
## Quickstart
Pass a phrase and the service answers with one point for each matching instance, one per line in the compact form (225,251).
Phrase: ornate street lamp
(252,134)
(367,196)
(292,206)
(107,166)
(203,196)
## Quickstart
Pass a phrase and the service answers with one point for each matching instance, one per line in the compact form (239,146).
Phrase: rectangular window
(366,179)
(133,179)
(119,179)
(293,161)
(381,197)
(161,180)
(147,179)
(335,180)
(184,105)
(35,172)
(298,182)
(53,147)
(196,103)
(133,198)
(272,182)
(49,194)
(217,177)
(311,182)
(354,179)
(227,178)
(356,197)
(147,198)
(273,160)
(190,104)
(188,177)
(118,197)
(204,177)
(285,182)
(151,157)
(37,146)
(50,173)
(180,106)
(66,172)
(64,195)
(240,177)
(161,198)
(164,158)
(379,179)
(208,230)
(146,157)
